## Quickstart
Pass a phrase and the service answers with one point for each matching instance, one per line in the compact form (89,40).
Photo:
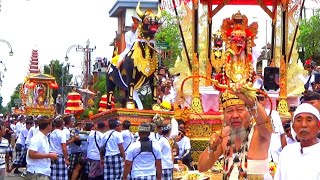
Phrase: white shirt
(144,163)
(130,38)
(13,127)
(32,131)
(93,151)
(40,144)
(19,127)
(67,132)
(290,141)
(275,147)
(115,139)
(166,159)
(296,166)
(128,138)
(183,144)
(22,137)
(152,137)
(56,138)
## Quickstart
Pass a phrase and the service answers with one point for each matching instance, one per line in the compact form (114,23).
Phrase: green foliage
(56,69)
(15,95)
(169,32)
(85,114)
(309,37)
(100,85)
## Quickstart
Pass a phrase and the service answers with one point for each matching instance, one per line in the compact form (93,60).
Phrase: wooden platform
(135,116)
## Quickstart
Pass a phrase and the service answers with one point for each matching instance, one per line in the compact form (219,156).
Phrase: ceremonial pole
(196,105)
(282,107)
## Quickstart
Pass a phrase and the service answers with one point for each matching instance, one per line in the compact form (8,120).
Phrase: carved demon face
(217,39)
(238,39)
(149,22)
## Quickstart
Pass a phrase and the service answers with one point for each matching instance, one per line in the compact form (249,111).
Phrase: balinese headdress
(228,99)
(158,120)
(166,127)
(144,127)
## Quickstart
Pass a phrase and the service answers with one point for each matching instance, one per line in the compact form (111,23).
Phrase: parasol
(87,91)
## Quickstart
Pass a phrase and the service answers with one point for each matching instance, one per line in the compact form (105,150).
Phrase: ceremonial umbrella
(87,91)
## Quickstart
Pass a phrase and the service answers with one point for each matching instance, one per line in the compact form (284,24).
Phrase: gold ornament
(148,64)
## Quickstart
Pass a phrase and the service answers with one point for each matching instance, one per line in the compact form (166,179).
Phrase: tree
(15,95)
(169,33)
(309,37)
(55,69)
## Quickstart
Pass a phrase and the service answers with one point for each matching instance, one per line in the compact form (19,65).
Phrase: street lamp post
(9,45)
(87,62)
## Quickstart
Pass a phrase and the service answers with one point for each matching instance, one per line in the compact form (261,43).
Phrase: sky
(52,26)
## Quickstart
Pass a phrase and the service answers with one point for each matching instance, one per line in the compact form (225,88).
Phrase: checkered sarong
(145,178)
(167,174)
(20,157)
(95,169)
(59,170)
(73,159)
(113,167)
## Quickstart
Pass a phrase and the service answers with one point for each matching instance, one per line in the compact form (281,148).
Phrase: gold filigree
(239,38)
(196,105)
(229,99)
(148,64)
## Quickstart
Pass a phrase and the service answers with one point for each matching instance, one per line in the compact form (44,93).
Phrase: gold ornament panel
(201,131)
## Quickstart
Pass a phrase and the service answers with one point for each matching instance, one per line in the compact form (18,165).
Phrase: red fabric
(308,62)
(241,2)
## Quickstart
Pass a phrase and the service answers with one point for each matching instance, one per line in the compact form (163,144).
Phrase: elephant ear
(135,21)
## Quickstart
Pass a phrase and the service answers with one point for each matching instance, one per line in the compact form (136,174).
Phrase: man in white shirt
(93,152)
(184,148)
(20,125)
(289,137)
(4,151)
(130,38)
(143,158)
(278,137)
(300,160)
(57,142)
(166,159)
(32,131)
(112,154)
(127,136)
(21,149)
(38,155)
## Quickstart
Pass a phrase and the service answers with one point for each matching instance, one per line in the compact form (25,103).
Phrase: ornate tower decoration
(33,67)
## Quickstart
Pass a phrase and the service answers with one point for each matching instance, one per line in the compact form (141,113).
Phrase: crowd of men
(61,148)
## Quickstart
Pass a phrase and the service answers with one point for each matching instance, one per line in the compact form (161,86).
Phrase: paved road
(16,177)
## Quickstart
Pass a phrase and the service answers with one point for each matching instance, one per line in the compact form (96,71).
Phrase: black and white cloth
(113,167)
(167,174)
(59,170)
(21,153)
(73,159)
(145,178)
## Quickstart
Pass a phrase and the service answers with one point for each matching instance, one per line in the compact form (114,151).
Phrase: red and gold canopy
(241,2)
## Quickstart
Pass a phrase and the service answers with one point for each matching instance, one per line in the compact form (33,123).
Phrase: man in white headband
(299,160)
